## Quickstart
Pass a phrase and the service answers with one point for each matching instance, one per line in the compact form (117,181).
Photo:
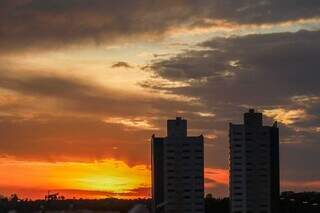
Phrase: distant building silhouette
(177,171)
(254,166)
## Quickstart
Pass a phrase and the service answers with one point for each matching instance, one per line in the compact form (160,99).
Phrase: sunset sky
(85,83)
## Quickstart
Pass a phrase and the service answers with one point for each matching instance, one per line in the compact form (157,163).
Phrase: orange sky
(107,178)
(83,88)
(100,179)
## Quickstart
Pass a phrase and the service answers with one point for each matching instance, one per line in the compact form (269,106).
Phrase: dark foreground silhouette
(291,202)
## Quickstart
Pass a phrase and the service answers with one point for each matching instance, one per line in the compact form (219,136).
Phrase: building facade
(177,170)
(254,166)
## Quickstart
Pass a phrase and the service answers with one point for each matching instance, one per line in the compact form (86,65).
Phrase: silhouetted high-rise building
(254,166)
(177,171)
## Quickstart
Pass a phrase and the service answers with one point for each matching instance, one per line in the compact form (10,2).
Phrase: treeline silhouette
(28,206)
(290,202)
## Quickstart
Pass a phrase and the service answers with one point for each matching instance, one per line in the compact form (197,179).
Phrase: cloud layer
(72,114)
(277,73)
(42,24)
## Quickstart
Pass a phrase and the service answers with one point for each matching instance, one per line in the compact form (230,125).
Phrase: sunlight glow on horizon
(99,179)
(113,177)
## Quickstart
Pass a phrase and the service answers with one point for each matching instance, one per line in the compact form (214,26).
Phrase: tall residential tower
(254,166)
(177,171)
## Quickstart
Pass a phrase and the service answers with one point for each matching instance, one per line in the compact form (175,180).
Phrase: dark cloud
(122,64)
(265,71)
(34,24)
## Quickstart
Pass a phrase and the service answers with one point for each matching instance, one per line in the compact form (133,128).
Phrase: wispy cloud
(103,22)
(135,123)
(122,64)
(286,116)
